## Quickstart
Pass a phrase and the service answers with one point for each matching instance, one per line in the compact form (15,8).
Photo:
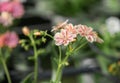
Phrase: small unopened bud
(42,32)
(37,33)
(25,31)
(66,63)
(21,41)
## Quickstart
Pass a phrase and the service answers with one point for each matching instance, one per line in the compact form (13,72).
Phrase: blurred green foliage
(112,6)
(72,7)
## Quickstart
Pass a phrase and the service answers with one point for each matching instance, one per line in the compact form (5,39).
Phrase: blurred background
(95,63)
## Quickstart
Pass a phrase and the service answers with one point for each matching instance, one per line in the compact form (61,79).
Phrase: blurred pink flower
(11,39)
(9,10)
(63,37)
(6,7)
(17,0)
(88,33)
(6,19)
(2,40)
(14,7)
(17,9)
(4,0)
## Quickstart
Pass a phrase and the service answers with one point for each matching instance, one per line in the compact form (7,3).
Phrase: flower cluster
(67,33)
(10,10)
(9,39)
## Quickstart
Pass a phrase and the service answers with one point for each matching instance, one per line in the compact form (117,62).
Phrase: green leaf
(43,39)
(26,47)
(31,58)
(40,51)
(38,42)
(27,79)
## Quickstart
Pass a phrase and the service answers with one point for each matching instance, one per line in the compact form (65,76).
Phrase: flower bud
(37,33)
(26,31)
(21,41)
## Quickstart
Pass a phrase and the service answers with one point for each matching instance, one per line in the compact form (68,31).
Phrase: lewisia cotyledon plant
(67,34)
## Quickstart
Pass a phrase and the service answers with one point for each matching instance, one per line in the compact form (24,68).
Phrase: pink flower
(63,37)
(59,26)
(14,7)
(88,33)
(4,1)
(83,30)
(17,9)
(9,10)
(11,39)
(71,29)
(6,7)
(6,19)
(91,37)
(67,33)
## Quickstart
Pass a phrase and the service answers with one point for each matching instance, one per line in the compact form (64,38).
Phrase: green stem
(35,59)
(59,73)
(36,71)
(60,68)
(62,63)
(5,67)
(50,36)
(60,55)
(80,46)
(65,59)
(26,78)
